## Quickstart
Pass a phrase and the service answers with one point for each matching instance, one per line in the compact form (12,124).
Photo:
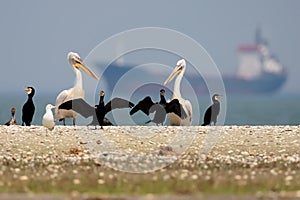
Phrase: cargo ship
(258,72)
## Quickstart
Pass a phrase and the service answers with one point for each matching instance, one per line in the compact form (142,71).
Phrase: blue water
(263,110)
(241,110)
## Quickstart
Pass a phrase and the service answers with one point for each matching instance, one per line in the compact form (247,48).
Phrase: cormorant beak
(79,64)
(218,97)
(28,90)
(176,71)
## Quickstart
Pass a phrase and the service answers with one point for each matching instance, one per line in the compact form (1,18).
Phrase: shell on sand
(231,140)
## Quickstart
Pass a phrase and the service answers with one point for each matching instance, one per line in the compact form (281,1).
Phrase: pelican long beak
(79,64)
(175,72)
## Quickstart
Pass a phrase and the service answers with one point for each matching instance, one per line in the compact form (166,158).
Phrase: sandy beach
(140,162)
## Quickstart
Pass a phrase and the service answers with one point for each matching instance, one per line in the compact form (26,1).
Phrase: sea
(273,109)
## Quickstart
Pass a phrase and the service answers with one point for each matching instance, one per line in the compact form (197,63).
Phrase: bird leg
(89,127)
(74,120)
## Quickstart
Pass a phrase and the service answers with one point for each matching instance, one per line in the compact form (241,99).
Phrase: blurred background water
(241,110)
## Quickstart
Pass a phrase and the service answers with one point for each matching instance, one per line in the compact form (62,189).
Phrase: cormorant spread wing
(79,106)
(117,103)
(143,105)
(175,107)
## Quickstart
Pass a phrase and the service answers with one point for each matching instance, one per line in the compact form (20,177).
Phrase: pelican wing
(189,109)
(62,97)
(79,106)
(175,107)
(143,105)
(117,103)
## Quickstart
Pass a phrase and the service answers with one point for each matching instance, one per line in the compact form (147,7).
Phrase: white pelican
(48,119)
(75,92)
(175,120)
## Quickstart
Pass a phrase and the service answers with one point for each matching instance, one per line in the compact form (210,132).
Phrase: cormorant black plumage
(162,101)
(28,108)
(212,112)
(160,108)
(13,120)
(99,111)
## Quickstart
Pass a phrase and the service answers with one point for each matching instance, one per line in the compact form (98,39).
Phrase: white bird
(75,92)
(48,119)
(175,120)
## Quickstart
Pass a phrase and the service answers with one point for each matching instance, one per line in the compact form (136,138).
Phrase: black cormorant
(162,101)
(28,108)
(99,111)
(160,108)
(212,112)
(13,120)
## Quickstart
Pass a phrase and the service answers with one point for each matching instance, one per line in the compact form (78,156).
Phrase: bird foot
(90,127)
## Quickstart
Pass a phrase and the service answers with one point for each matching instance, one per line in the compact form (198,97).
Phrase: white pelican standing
(175,120)
(75,92)
(48,119)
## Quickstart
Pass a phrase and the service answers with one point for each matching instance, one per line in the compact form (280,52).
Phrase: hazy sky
(37,35)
